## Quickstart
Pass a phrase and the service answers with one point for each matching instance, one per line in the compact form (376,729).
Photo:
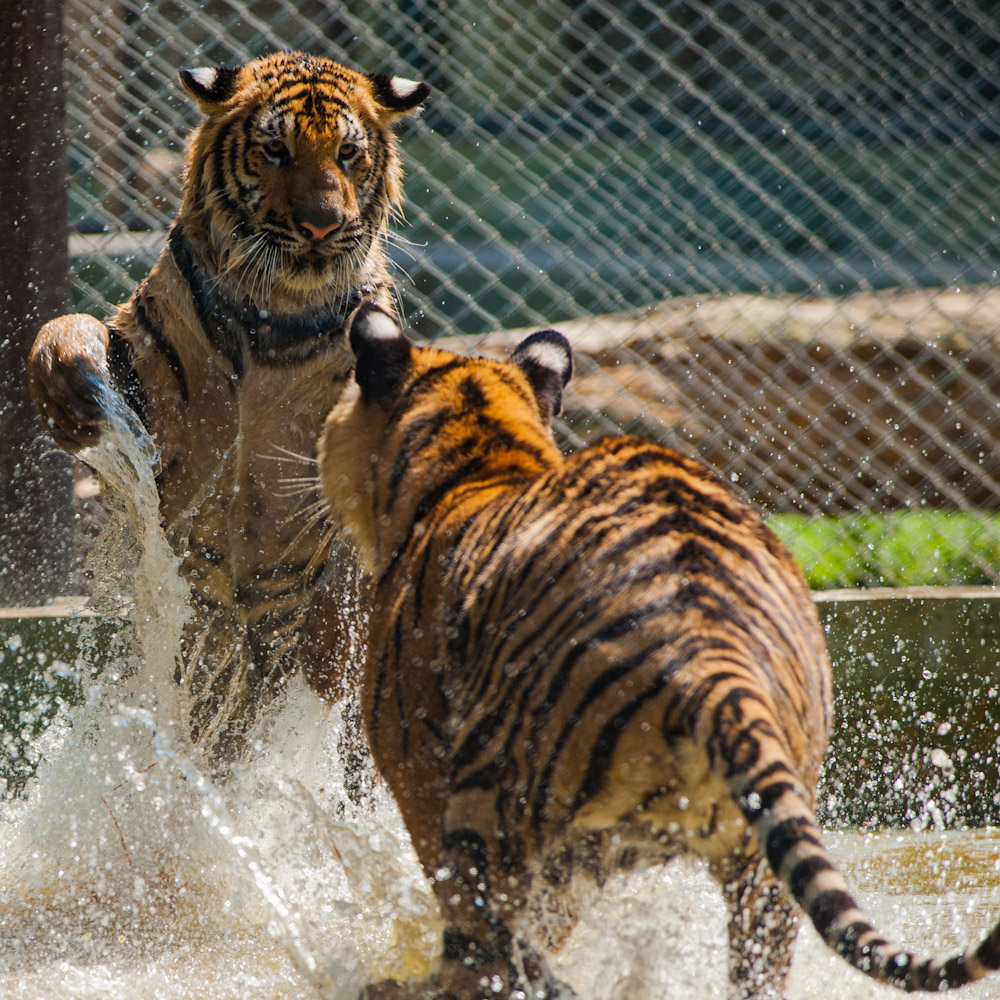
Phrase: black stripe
(473,953)
(860,955)
(230,150)
(775,791)
(785,836)
(693,698)
(151,328)
(827,907)
(426,504)
(212,556)
(741,753)
(472,393)
(989,951)
(404,723)
(235,327)
(467,841)
(291,100)
(224,340)
(804,871)
(225,147)
(424,383)
(595,690)
(628,577)
(381,678)
(126,378)
(775,767)
(694,555)
(954,973)
(419,434)
(489,550)
(607,741)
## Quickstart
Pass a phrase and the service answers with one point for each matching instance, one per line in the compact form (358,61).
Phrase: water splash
(123,849)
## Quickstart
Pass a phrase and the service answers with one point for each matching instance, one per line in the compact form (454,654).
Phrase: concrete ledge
(814,405)
(906,593)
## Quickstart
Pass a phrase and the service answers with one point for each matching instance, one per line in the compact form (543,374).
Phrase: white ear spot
(403,89)
(548,356)
(204,76)
(381,326)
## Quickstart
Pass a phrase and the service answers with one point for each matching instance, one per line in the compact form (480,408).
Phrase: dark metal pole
(36,526)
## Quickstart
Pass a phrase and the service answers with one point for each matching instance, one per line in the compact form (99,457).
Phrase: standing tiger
(233,348)
(576,663)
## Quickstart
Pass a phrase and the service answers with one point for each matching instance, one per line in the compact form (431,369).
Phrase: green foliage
(899,549)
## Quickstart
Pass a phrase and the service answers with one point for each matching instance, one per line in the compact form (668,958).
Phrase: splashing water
(127,873)
(124,856)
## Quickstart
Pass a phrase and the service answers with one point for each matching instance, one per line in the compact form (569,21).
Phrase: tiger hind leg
(483,957)
(763,925)
(484,891)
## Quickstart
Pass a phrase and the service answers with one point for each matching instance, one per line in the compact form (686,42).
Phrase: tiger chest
(238,490)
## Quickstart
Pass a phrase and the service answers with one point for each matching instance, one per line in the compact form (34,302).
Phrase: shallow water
(125,873)
(202,925)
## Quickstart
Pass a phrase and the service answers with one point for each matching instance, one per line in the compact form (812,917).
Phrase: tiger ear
(396,94)
(547,359)
(383,352)
(210,86)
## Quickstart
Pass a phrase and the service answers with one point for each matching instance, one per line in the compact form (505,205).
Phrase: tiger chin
(578,663)
(233,347)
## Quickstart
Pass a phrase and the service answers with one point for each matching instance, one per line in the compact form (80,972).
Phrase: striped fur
(233,348)
(579,662)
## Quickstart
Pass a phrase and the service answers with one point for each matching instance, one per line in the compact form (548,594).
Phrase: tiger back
(233,347)
(579,662)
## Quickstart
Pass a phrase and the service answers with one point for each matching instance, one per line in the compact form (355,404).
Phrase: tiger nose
(321,224)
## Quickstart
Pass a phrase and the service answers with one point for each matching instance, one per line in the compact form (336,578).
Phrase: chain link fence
(769,228)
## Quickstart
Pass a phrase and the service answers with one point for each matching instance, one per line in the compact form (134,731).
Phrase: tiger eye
(275,147)
(347,150)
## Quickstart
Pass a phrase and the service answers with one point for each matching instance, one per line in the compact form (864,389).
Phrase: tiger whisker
(281,454)
(288,488)
(244,255)
(315,511)
(397,238)
(331,532)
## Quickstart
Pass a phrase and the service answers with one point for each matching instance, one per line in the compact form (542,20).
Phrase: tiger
(233,347)
(579,663)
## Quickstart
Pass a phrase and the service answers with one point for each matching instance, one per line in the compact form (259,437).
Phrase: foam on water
(127,873)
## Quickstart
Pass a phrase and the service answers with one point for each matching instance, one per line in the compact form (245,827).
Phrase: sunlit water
(127,874)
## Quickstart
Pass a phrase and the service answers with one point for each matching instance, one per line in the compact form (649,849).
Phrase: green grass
(900,549)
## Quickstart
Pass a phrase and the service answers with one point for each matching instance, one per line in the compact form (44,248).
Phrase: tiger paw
(69,380)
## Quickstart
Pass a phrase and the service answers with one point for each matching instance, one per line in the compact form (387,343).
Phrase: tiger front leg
(69,378)
(763,925)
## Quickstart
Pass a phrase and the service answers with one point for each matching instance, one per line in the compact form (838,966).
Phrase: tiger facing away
(577,663)
(233,348)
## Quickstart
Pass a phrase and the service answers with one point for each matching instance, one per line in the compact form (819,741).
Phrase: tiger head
(294,173)
(419,421)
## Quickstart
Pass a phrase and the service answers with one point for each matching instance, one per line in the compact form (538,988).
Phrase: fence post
(35,479)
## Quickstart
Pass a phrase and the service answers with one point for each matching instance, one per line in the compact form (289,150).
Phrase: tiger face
(295,172)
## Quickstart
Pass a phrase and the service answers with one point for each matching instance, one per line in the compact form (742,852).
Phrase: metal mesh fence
(769,228)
